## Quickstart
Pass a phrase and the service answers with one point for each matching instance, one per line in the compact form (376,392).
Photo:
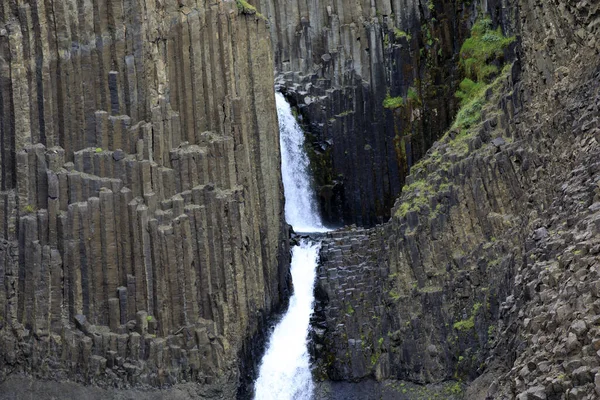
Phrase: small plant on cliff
(455,389)
(484,48)
(393,102)
(246,8)
(465,325)
(401,34)
(480,56)
(412,94)
(468,324)
(29,208)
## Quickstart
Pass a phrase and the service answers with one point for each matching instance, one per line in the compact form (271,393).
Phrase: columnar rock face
(415,298)
(337,61)
(489,267)
(141,206)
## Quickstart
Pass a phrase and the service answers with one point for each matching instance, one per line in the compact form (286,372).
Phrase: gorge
(285,371)
(145,250)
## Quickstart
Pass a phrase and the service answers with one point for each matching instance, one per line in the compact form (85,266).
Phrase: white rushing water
(300,205)
(285,368)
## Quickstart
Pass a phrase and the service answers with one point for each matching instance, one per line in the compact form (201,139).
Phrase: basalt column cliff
(485,282)
(141,207)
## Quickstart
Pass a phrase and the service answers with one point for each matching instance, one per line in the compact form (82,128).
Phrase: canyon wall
(141,208)
(487,272)
(337,62)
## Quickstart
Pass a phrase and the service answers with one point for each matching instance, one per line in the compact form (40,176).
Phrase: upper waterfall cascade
(285,368)
(300,204)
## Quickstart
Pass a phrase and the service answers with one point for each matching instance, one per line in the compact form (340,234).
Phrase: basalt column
(141,207)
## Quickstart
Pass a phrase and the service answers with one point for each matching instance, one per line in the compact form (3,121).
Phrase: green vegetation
(479,58)
(394,295)
(401,34)
(349,309)
(430,289)
(465,325)
(468,324)
(412,94)
(374,358)
(412,98)
(482,49)
(468,90)
(474,100)
(393,102)
(98,149)
(246,8)
(29,208)
(421,191)
(455,388)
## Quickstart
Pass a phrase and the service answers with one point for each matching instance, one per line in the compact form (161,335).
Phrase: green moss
(98,149)
(401,34)
(349,309)
(418,197)
(345,113)
(29,208)
(465,325)
(375,358)
(430,289)
(412,94)
(246,8)
(393,102)
(468,324)
(455,389)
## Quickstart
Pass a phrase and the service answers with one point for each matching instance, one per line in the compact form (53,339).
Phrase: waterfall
(285,368)
(300,205)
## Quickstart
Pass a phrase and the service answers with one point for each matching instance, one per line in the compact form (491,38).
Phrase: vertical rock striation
(141,207)
(488,268)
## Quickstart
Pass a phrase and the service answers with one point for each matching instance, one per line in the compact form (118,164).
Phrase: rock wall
(141,205)
(414,299)
(337,62)
(488,268)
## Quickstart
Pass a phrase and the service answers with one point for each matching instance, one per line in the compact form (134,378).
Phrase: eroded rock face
(489,265)
(141,207)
